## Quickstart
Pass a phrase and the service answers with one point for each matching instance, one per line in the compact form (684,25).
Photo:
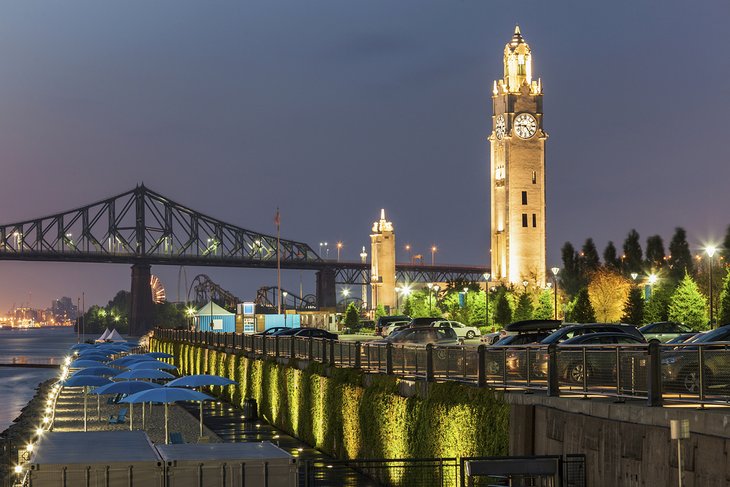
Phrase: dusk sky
(332,110)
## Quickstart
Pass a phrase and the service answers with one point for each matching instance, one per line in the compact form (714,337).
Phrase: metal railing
(654,372)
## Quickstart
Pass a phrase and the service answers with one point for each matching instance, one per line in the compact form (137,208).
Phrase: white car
(387,330)
(461,330)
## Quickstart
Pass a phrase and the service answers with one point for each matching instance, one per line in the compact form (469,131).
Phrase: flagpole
(278,263)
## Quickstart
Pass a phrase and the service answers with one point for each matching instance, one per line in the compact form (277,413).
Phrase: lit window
(524,220)
(524,197)
(534,177)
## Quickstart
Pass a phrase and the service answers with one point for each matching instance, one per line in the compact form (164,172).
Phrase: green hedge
(339,416)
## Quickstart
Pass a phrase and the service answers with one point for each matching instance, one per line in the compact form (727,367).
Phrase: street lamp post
(436,288)
(487,276)
(363,259)
(711,252)
(525,283)
(555,271)
(345,294)
(408,249)
(398,290)
(433,254)
(284,294)
(430,287)
(339,247)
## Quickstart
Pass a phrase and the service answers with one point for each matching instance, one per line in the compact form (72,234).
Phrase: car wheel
(575,373)
(691,380)
(470,334)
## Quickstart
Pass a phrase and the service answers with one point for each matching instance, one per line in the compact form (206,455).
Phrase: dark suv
(570,331)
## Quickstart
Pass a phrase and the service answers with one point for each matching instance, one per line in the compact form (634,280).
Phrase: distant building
(382,263)
(64,309)
(517,158)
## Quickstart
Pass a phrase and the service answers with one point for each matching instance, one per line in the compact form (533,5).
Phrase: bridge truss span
(142,226)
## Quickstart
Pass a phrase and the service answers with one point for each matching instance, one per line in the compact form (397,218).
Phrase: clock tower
(517,167)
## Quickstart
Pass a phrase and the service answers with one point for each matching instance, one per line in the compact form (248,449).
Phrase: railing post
(276,345)
(389,358)
(263,345)
(429,363)
(701,374)
(332,352)
(310,348)
(323,354)
(292,347)
(358,346)
(481,365)
(654,372)
(553,384)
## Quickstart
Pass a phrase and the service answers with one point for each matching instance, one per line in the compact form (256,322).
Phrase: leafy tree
(632,253)
(725,251)
(723,311)
(352,317)
(680,258)
(610,257)
(589,261)
(380,311)
(169,315)
(407,308)
(582,311)
(656,308)
(608,291)
(655,252)
(570,276)
(502,310)
(422,304)
(544,309)
(524,308)
(634,307)
(688,305)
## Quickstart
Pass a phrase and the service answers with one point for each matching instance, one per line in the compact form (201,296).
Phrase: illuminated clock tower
(517,146)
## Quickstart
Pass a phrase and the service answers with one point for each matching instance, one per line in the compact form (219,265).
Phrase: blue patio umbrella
(130,359)
(145,374)
(94,356)
(101,371)
(86,381)
(167,395)
(152,365)
(83,363)
(159,355)
(128,388)
(81,346)
(201,380)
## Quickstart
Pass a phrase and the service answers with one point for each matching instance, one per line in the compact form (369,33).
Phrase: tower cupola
(518,65)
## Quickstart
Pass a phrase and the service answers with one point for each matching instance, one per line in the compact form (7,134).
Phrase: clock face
(525,125)
(500,127)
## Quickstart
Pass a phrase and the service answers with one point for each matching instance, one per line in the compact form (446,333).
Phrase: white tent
(104,335)
(114,336)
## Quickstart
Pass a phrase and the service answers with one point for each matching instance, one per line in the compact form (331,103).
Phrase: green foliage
(657,307)
(422,304)
(634,307)
(380,312)
(655,252)
(680,260)
(688,305)
(582,311)
(524,308)
(407,308)
(588,261)
(544,309)
(352,317)
(335,413)
(472,313)
(633,260)
(571,279)
(502,310)
(610,257)
(723,311)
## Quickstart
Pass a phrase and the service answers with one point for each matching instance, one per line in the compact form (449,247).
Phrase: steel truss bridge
(142,227)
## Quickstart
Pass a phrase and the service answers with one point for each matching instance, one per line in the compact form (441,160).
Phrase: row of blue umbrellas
(94,372)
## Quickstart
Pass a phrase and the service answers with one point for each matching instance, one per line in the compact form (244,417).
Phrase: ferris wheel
(158,290)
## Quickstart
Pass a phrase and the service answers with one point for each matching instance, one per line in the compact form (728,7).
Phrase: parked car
(600,362)
(664,331)
(422,336)
(307,333)
(273,330)
(683,338)
(387,330)
(423,321)
(570,331)
(681,367)
(384,321)
(517,333)
(461,330)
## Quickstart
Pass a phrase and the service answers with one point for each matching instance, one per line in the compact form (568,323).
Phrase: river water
(17,384)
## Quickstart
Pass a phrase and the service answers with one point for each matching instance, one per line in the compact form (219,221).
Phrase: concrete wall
(625,444)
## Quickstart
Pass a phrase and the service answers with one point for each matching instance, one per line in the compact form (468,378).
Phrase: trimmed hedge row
(338,416)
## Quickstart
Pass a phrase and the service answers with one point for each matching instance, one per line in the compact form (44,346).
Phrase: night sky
(332,110)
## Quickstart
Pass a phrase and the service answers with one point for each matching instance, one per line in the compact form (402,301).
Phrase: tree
(725,251)
(544,309)
(502,311)
(524,308)
(655,258)
(723,311)
(380,311)
(352,317)
(166,315)
(632,260)
(407,308)
(656,308)
(589,261)
(688,305)
(608,291)
(634,307)
(680,258)
(570,277)
(582,311)
(610,257)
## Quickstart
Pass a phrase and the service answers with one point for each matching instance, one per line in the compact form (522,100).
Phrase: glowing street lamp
(710,251)
(555,271)
(408,249)
(345,294)
(433,254)
(284,294)
(339,247)
(487,276)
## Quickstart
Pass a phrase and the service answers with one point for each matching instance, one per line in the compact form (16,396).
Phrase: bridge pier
(141,314)
(326,289)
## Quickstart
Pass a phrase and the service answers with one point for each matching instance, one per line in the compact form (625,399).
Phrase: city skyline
(333,112)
